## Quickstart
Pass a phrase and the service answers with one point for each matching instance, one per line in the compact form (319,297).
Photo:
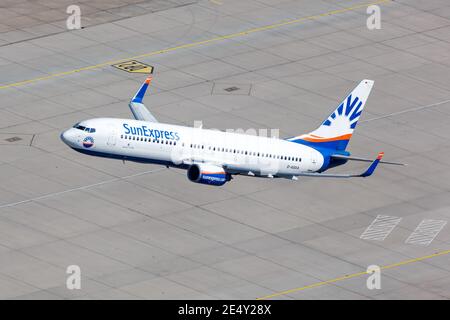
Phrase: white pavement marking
(426,231)
(380,228)
(49,195)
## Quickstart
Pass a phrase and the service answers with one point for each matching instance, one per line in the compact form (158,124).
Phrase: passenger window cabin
(198,146)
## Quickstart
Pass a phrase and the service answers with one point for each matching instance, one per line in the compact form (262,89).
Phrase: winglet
(139,110)
(141,92)
(373,166)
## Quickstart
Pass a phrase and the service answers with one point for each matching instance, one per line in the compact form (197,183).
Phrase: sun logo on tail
(335,132)
(346,115)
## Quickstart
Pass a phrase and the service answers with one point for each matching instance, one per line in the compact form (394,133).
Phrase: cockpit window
(80,127)
(83,128)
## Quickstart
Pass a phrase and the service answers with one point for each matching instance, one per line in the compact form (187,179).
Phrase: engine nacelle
(208,174)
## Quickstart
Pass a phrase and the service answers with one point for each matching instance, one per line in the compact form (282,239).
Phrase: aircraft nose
(64,136)
(68,137)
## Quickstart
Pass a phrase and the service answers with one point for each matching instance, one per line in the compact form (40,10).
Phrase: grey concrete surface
(24,20)
(145,232)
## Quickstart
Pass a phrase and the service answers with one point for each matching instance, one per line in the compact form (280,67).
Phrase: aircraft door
(112,136)
(313,158)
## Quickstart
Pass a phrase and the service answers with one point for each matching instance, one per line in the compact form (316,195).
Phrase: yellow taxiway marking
(192,44)
(354,275)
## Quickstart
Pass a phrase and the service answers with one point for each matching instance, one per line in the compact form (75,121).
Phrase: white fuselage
(181,146)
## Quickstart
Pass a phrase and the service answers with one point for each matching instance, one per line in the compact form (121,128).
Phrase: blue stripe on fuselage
(332,145)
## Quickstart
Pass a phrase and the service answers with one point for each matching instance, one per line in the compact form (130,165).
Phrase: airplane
(213,157)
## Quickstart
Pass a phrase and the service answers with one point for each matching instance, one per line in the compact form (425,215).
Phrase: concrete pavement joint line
(194,44)
(49,195)
(354,275)
(406,111)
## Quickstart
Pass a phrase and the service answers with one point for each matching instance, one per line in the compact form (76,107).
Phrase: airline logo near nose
(151,133)
(88,142)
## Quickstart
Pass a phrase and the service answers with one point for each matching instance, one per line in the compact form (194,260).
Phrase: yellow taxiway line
(192,44)
(354,275)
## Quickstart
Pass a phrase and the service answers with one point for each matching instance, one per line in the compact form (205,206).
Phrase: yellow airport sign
(134,66)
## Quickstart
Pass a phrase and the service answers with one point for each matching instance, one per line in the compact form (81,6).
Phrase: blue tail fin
(336,131)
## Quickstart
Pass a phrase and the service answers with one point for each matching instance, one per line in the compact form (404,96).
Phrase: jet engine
(208,174)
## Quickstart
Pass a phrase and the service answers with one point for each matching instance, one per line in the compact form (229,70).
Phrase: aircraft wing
(364,174)
(198,160)
(139,110)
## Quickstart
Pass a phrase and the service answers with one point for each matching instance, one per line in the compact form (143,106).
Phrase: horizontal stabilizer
(366,173)
(340,156)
